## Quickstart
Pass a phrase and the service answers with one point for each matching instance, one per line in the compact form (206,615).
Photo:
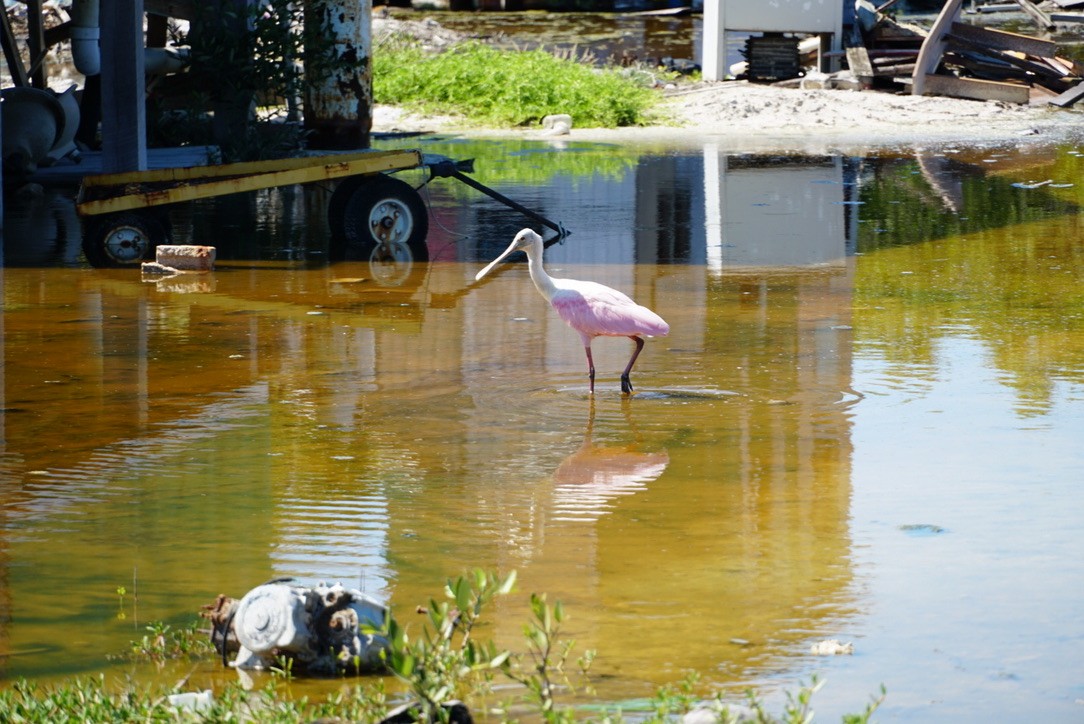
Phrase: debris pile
(321,630)
(961,59)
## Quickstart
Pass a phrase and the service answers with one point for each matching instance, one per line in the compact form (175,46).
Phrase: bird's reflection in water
(588,480)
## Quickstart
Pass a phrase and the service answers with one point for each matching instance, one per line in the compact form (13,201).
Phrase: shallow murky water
(864,425)
(606,37)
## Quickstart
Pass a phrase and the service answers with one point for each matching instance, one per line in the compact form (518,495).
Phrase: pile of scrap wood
(963,60)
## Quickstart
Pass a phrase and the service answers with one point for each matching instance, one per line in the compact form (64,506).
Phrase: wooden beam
(933,47)
(1007,60)
(1041,19)
(981,67)
(975,89)
(1001,40)
(859,63)
(1069,97)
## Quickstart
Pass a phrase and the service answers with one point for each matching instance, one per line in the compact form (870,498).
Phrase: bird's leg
(590,369)
(626,385)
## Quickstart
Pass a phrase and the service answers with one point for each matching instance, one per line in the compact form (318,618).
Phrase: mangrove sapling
(164,643)
(445,662)
(542,670)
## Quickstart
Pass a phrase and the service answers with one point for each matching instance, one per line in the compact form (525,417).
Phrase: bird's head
(525,240)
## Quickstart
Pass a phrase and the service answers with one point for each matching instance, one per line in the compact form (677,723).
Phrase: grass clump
(506,88)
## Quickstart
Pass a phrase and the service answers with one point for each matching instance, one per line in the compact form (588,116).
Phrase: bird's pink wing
(596,310)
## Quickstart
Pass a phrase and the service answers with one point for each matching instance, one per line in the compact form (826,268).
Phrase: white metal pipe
(85,33)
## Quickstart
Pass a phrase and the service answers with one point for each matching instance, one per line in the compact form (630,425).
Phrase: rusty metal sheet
(339,101)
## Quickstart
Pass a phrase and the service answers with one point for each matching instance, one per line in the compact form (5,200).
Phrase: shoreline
(740,116)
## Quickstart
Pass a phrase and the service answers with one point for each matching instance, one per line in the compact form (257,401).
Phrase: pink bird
(592,309)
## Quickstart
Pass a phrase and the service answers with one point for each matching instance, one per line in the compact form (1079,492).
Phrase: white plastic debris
(831,647)
(558,124)
(192,700)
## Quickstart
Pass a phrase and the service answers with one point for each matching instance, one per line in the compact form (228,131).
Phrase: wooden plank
(1041,19)
(933,47)
(1006,59)
(1001,40)
(975,89)
(859,63)
(1069,97)
(891,71)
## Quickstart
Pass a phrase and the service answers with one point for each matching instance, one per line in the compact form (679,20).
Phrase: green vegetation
(521,162)
(163,642)
(444,662)
(506,88)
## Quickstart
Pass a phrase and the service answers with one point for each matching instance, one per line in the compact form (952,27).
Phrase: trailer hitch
(444,167)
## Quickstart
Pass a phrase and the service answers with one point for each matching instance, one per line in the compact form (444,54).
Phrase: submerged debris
(831,647)
(321,630)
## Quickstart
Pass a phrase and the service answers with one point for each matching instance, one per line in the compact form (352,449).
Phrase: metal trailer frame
(124,222)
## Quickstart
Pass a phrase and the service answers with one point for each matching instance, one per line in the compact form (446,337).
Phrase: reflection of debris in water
(922,529)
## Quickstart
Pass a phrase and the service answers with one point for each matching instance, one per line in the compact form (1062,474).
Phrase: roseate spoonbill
(592,309)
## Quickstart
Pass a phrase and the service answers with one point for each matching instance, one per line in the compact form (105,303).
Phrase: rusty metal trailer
(369,209)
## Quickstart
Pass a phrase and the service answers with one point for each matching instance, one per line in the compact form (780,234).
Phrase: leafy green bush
(506,88)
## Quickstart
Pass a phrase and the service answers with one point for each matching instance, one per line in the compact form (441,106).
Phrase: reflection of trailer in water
(371,212)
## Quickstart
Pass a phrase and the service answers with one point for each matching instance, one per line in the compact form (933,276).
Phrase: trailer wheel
(123,239)
(336,205)
(381,217)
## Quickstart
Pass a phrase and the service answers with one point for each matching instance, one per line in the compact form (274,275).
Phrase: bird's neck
(542,281)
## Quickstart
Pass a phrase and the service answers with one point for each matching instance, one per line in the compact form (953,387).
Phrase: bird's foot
(626,385)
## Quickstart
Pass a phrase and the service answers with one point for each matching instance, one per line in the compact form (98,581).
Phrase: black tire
(124,239)
(336,205)
(378,218)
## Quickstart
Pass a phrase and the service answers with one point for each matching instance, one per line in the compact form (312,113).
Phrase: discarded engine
(318,629)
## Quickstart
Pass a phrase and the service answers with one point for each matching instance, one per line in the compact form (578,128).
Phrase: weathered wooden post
(339,84)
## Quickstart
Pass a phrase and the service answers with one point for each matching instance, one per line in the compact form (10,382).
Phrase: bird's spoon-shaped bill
(495,262)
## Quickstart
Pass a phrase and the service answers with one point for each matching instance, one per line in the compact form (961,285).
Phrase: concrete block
(186,257)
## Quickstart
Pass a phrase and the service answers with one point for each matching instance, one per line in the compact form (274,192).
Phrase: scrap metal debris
(321,630)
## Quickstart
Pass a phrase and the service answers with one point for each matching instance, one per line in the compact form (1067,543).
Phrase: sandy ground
(740,115)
